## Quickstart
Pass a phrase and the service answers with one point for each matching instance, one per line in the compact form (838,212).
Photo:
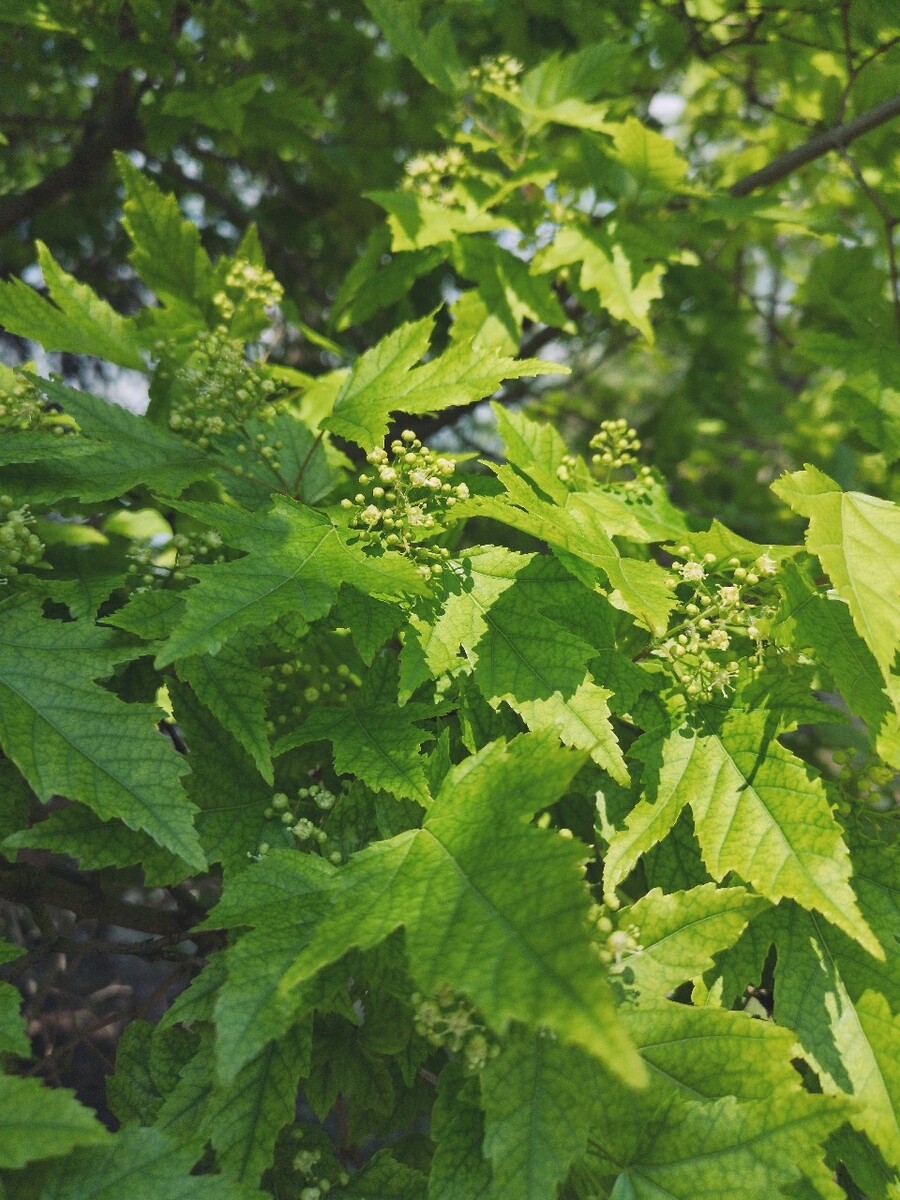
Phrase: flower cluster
(615,449)
(154,565)
(217,391)
(406,493)
(868,782)
(307,1164)
(720,606)
(299,818)
(432,175)
(295,685)
(23,407)
(447,1020)
(19,547)
(616,945)
(254,285)
(500,72)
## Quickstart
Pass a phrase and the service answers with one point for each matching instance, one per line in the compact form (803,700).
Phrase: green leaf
(282,898)
(416,223)
(711,1053)
(245,1116)
(373,738)
(128,451)
(458,1170)
(528,659)
(846,1029)
(69,736)
(385,380)
(524,657)
(677,1150)
(226,787)
(534,448)
(757,811)
(81,323)
(666,760)
(373,283)
(536,1122)
(77,832)
(384,1178)
(577,534)
(826,626)
(857,540)
(144,1165)
(433,54)
(12,1029)
(606,269)
(507,286)
(222,107)
(296,559)
(230,684)
(455,886)
(680,933)
(650,159)
(40,1122)
(167,253)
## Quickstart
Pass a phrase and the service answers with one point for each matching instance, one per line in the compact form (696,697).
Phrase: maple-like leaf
(373,738)
(679,933)
(454,885)
(856,538)
(167,252)
(530,660)
(757,811)
(577,533)
(386,380)
(295,561)
(39,1122)
(230,794)
(244,1117)
(536,1121)
(606,269)
(231,686)
(78,321)
(143,1164)
(71,737)
(116,451)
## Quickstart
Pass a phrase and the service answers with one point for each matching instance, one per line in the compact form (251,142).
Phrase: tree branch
(119,131)
(89,898)
(835,138)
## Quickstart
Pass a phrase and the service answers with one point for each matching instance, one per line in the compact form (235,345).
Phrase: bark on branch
(832,139)
(87,897)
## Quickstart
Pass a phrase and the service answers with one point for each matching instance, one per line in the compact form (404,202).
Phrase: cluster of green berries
(307,1164)
(501,72)
(23,407)
(154,565)
(723,604)
(432,175)
(616,944)
(299,817)
(449,1021)
(253,285)
(218,390)
(406,494)
(19,546)
(296,685)
(867,781)
(615,447)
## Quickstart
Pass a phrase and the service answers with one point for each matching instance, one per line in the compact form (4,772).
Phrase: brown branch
(835,138)
(120,130)
(89,898)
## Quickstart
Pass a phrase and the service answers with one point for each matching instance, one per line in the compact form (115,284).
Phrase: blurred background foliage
(605,183)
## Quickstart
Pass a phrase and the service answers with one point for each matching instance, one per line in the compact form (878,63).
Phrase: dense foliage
(450,784)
